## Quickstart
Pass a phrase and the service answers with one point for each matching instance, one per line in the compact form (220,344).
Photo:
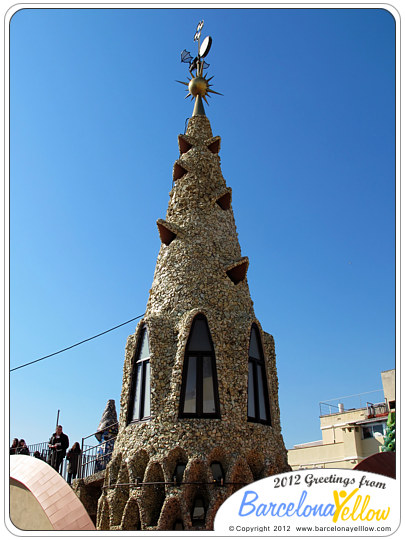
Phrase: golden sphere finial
(198,86)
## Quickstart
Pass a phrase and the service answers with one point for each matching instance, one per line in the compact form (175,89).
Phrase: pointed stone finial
(108,420)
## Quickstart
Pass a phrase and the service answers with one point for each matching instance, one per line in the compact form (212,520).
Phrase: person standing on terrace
(58,444)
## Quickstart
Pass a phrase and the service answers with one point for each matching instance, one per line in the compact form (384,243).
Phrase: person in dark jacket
(13,447)
(73,459)
(23,448)
(58,444)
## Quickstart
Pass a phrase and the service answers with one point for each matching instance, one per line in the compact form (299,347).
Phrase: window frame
(199,355)
(143,390)
(373,431)
(258,363)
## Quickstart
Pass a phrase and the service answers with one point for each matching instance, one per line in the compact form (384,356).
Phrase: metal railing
(94,458)
(352,402)
(43,452)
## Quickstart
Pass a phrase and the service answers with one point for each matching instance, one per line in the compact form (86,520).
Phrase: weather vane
(198,85)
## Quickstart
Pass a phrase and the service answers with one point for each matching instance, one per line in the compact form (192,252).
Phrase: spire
(198,86)
(108,420)
(199,366)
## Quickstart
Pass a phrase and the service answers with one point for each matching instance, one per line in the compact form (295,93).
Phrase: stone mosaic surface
(108,420)
(190,278)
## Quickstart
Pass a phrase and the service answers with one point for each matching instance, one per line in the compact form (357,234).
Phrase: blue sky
(307,123)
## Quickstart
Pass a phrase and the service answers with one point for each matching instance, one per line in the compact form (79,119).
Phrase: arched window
(199,391)
(179,472)
(198,513)
(258,395)
(139,408)
(217,472)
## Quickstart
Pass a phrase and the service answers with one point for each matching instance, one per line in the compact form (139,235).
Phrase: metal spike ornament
(198,86)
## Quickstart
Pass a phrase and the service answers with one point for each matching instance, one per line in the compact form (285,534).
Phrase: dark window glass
(191,386)
(208,386)
(138,392)
(251,392)
(258,395)
(199,392)
(146,411)
(217,471)
(198,513)
(254,347)
(370,430)
(139,408)
(199,339)
(179,472)
(260,388)
(144,351)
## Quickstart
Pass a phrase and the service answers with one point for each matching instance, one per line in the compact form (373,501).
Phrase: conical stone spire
(108,420)
(191,270)
(200,275)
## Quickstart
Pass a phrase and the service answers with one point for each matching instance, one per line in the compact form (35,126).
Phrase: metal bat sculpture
(193,62)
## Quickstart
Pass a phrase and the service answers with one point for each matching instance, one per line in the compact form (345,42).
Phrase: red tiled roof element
(60,504)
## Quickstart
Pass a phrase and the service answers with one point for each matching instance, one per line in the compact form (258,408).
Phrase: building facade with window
(349,433)
(199,413)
